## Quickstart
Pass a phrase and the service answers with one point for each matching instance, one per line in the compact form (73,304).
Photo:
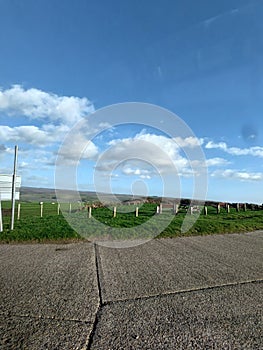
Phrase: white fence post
(69,210)
(1,218)
(205,210)
(41,209)
(176,208)
(90,212)
(58,208)
(18,211)
(137,212)
(114,212)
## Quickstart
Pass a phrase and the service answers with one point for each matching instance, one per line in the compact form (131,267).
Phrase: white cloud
(255,151)
(238,175)
(33,135)
(37,104)
(78,147)
(147,155)
(190,141)
(216,162)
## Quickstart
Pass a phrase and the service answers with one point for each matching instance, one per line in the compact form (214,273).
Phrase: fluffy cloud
(52,116)
(76,148)
(147,155)
(33,135)
(189,142)
(238,175)
(216,162)
(236,151)
(37,104)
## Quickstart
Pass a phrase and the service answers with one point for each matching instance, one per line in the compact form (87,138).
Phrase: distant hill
(34,194)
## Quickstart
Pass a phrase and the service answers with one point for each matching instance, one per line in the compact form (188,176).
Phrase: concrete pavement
(49,296)
(184,293)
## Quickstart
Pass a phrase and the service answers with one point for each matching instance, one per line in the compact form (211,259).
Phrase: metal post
(1,219)
(14,190)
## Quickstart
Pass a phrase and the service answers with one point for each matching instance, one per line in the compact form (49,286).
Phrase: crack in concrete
(41,317)
(181,291)
(96,319)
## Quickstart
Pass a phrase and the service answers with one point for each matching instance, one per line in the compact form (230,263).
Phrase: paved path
(184,293)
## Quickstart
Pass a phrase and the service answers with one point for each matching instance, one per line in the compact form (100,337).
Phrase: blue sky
(61,61)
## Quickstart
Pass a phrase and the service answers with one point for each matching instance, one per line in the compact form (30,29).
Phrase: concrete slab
(49,296)
(221,318)
(170,265)
(49,280)
(25,333)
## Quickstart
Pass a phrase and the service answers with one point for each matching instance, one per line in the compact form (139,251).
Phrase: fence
(24,210)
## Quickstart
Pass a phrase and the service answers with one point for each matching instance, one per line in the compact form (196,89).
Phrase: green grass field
(32,227)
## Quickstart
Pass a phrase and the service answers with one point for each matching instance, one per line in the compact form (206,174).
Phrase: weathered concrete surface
(185,293)
(221,318)
(41,334)
(47,293)
(170,265)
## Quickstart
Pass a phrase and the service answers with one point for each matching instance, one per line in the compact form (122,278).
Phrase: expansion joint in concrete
(100,304)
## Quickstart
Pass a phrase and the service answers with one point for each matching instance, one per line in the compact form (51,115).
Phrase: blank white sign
(6,187)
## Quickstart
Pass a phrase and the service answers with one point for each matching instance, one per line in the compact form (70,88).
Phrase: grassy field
(32,227)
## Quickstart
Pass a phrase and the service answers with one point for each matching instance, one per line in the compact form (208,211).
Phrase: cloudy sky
(61,62)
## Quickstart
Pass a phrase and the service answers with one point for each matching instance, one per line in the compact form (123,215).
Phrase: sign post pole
(14,191)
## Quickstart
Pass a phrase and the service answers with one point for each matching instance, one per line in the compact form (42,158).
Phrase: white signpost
(6,182)
(9,190)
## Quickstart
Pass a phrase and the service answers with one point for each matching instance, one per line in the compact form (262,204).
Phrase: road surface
(185,293)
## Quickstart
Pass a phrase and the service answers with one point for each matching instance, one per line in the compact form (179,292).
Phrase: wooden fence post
(41,209)
(161,208)
(58,208)
(237,207)
(89,212)
(245,207)
(18,211)
(176,208)
(228,208)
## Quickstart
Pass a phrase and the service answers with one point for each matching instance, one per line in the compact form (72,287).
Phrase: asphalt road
(185,293)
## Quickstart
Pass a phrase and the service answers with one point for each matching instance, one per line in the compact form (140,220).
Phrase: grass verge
(53,227)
